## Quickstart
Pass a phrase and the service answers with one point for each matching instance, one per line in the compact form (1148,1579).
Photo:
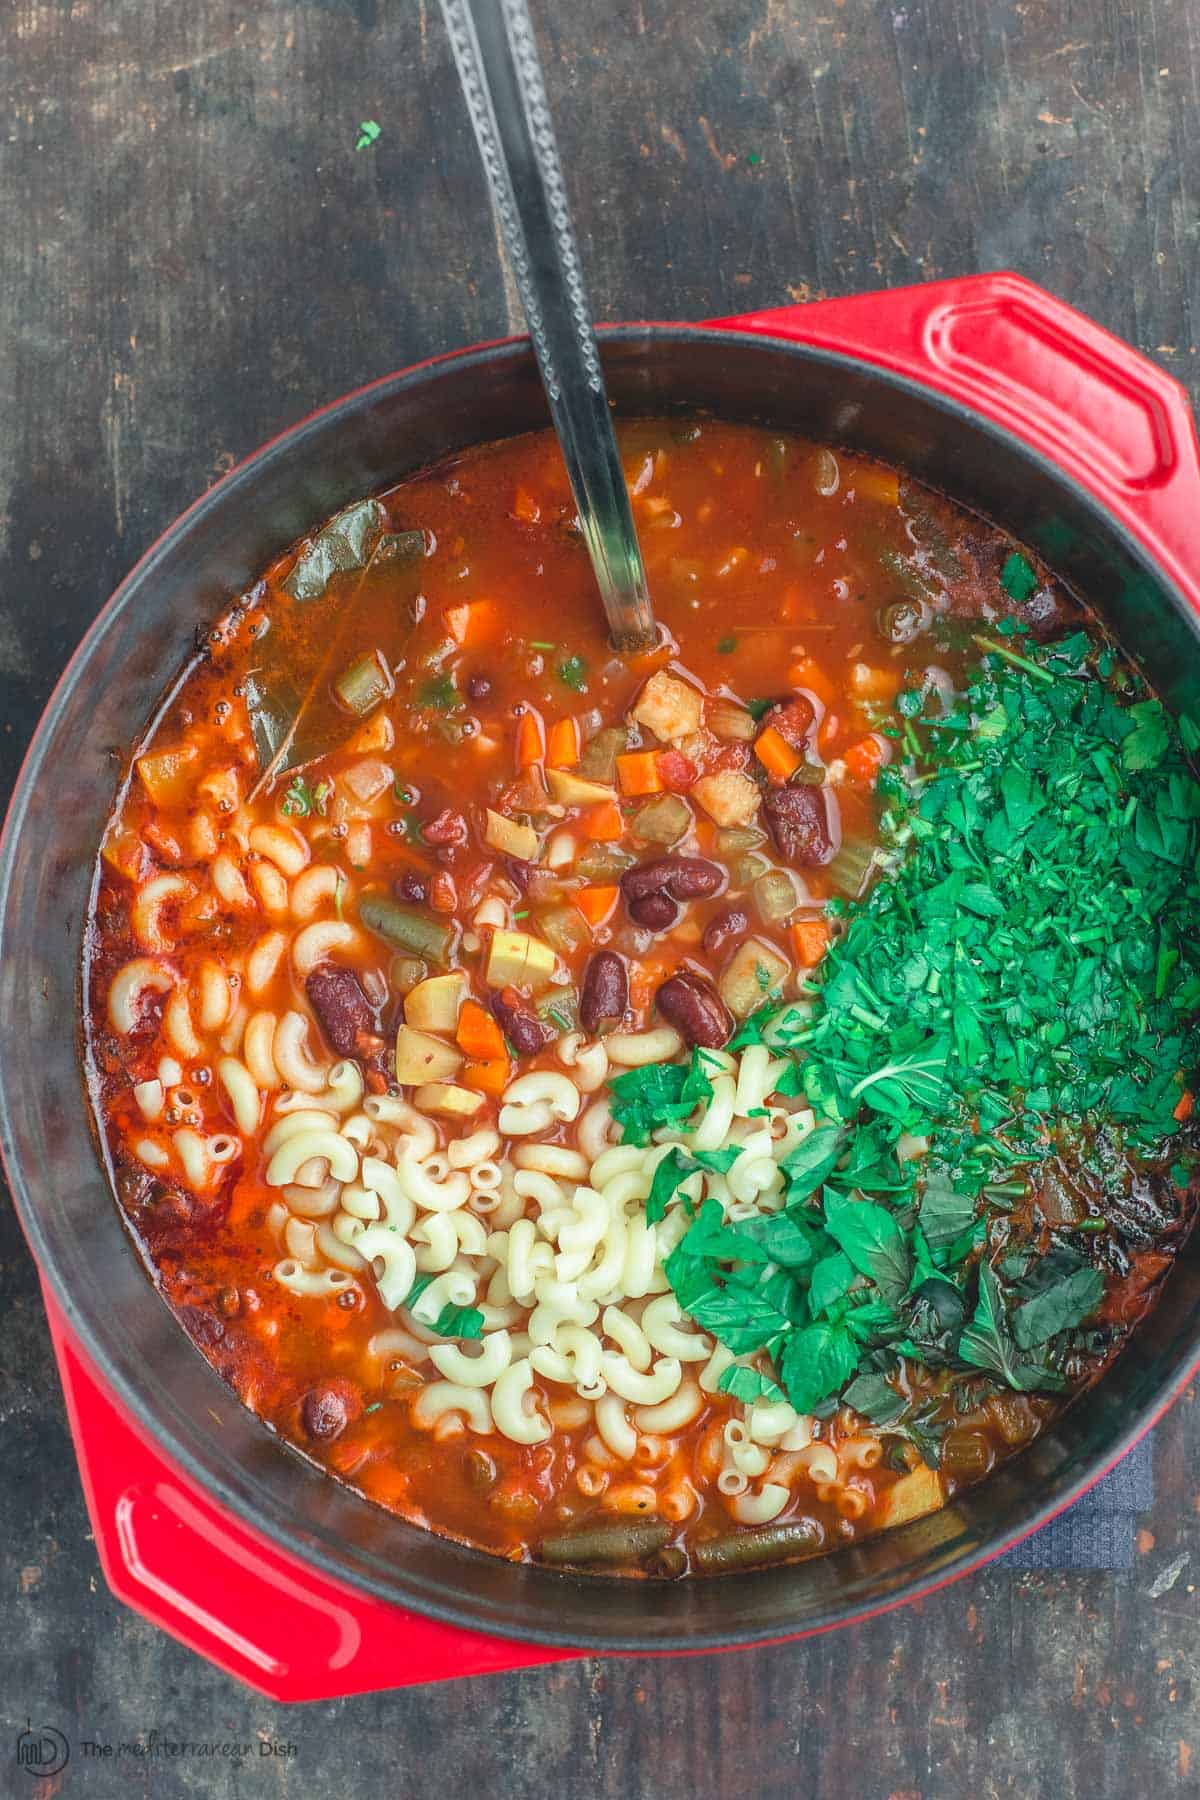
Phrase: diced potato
(377,734)
(510,838)
(911,1498)
(450,1102)
(421,1058)
(167,775)
(573,790)
(728,797)
(434,1004)
(368,779)
(517,960)
(669,707)
(754,974)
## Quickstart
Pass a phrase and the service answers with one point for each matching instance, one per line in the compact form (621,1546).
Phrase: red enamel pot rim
(90,1269)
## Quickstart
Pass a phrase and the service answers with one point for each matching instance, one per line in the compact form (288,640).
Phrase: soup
(663,1113)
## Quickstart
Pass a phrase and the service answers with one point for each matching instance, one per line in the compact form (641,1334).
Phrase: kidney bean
(724,927)
(342,1008)
(799,820)
(520,1024)
(696,1011)
(792,721)
(683,877)
(328,1408)
(449,827)
(412,887)
(654,912)
(518,872)
(478,687)
(605,992)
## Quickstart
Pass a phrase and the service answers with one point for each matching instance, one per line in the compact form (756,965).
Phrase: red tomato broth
(767,589)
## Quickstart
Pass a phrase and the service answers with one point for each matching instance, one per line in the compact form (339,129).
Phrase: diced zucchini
(510,838)
(747,869)
(775,895)
(364,684)
(434,1004)
(405,973)
(851,868)
(517,960)
(565,928)
(731,722)
(570,789)
(560,1008)
(446,1100)
(603,864)
(753,974)
(408,930)
(421,1058)
(734,843)
(599,759)
(663,820)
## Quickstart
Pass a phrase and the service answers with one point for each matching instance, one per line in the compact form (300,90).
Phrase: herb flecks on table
(1025,980)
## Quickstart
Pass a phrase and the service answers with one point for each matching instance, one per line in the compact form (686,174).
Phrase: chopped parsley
(726,646)
(1018,577)
(1029,972)
(573,673)
(439,694)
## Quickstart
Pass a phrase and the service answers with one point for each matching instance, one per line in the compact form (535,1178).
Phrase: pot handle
(1005,348)
(189,1566)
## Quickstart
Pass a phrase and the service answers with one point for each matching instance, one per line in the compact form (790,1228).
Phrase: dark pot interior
(369,440)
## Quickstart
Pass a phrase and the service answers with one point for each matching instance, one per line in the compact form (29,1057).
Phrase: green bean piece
(668,1564)
(408,930)
(749,1549)
(606,1545)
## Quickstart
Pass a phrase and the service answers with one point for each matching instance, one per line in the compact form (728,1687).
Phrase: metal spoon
(501,75)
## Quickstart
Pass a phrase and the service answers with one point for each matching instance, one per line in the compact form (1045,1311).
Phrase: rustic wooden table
(192,255)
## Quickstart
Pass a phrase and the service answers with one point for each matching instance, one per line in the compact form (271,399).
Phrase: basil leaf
(748,1385)
(1059,1308)
(811,1161)
(872,1240)
(831,1278)
(817,1360)
(875,1398)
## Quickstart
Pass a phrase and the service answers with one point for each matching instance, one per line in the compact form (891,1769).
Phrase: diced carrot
(1186,1107)
(810,940)
(488,1077)
(525,507)
(831,728)
(478,1034)
(776,755)
(882,485)
(649,660)
(472,622)
(167,775)
(562,748)
(808,674)
(637,771)
(603,823)
(864,759)
(531,742)
(678,771)
(596,903)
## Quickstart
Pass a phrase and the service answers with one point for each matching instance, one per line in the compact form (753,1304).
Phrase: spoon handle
(498,66)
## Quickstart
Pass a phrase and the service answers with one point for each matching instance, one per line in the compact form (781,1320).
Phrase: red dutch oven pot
(989,390)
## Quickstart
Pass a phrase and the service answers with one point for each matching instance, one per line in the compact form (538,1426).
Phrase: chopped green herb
(368,132)
(301,801)
(726,646)
(573,672)
(1018,577)
(439,693)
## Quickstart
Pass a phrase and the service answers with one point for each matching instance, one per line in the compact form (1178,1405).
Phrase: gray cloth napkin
(1098,1532)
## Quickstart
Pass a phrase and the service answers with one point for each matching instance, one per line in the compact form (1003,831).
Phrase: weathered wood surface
(192,255)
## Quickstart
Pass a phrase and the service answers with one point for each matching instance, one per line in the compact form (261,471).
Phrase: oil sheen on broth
(631,1113)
